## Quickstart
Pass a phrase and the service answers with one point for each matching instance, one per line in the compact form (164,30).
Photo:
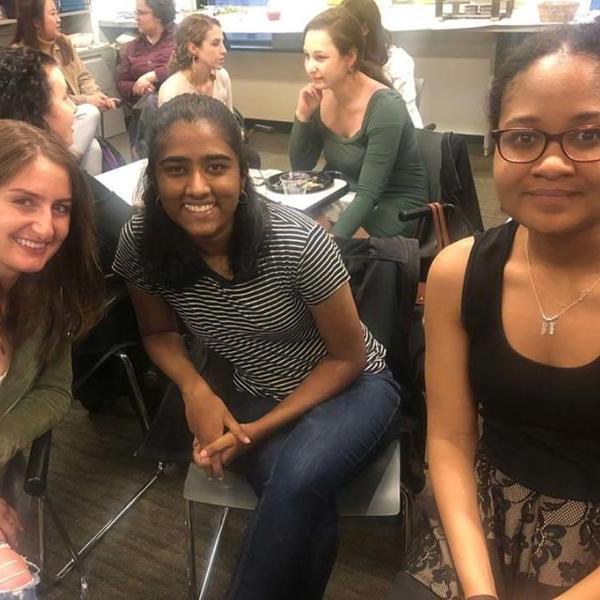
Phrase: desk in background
(125,182)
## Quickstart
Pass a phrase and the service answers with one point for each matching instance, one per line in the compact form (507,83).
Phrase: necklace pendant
(548,327)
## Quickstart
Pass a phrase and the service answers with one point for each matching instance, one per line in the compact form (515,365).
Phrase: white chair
(376,492)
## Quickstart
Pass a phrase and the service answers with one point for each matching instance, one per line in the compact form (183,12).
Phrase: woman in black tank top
(512,322)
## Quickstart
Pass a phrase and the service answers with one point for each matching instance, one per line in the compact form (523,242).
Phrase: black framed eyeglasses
(525,145)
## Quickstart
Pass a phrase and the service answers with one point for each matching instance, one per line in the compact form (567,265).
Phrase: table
(126,183)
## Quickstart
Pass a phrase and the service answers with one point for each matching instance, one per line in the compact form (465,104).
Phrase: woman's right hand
(208,417)
(10,525)
(309,100)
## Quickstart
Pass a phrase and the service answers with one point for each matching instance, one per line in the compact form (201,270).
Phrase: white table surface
(125,182)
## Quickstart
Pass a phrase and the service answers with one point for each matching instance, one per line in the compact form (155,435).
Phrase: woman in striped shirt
(263,287)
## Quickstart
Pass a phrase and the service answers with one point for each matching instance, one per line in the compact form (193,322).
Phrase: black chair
(113,340)
(446,160)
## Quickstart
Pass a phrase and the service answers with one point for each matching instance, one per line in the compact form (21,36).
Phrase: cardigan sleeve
(306,144)
(385,124)
(40,409)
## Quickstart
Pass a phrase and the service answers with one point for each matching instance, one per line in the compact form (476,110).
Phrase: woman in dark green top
(349,113)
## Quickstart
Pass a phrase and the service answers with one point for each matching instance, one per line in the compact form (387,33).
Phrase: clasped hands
(218,437)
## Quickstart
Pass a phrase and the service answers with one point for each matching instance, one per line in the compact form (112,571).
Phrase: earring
(243,199)
(158,203)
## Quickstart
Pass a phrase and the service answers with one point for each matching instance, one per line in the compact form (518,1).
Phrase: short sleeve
(321,270)
(127,262)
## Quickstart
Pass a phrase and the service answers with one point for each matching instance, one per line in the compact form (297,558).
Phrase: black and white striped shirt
(263,326)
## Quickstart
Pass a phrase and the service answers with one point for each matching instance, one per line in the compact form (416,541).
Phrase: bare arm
(206,413)
(452,422)
(338,323)
(587,588)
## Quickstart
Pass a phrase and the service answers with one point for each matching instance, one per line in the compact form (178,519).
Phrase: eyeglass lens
(582,144)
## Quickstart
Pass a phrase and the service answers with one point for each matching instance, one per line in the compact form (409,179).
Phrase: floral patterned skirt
(539,546)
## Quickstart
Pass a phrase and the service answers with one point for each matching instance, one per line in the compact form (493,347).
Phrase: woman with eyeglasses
(512,322)
(144,60)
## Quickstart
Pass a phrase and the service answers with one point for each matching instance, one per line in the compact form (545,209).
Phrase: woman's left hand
(228,447)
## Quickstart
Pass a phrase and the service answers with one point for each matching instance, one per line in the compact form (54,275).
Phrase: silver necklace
(549,321)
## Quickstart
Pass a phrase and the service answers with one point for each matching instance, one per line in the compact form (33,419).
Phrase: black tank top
(541,423)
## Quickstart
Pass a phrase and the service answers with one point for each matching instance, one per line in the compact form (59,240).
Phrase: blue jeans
(291,544)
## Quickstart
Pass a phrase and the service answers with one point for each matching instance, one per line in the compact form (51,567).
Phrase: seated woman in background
(397,64)
(361,125)
(512,321)
(197,62)
(263,286)
(50,288)
(144,61)
(38,26)
(33,89)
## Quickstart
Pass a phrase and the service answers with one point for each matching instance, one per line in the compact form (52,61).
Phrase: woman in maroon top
(144,60)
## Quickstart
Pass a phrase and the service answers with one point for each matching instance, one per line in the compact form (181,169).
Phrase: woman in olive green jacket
(50,287)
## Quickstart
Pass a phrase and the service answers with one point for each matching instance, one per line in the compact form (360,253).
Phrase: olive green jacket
(32,398)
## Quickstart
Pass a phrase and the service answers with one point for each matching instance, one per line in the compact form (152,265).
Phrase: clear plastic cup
(294,182)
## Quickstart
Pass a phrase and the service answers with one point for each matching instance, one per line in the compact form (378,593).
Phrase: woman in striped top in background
(264,287)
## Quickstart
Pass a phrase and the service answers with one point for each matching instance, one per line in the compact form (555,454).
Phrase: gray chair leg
(75,557)
(41,534)
(135,388)
(213,553)
(191,550)
(99,536)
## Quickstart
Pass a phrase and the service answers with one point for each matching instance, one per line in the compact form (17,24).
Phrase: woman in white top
(197,62)
(397,64)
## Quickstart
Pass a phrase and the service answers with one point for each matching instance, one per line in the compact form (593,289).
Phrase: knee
(89,113)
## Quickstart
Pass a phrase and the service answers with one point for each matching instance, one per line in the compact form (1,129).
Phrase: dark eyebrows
(185,159)
(532,120)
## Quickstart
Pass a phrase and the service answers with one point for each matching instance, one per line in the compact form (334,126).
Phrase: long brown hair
(65,297)
(30,16)
(346,34)
(192,29)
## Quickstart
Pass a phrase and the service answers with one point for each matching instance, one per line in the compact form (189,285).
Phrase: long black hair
(581,39)
(168,254)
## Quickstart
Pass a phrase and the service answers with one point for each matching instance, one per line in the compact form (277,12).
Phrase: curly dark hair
(168,254)
(65,297)
(377,39)
(25,93)
(581,39)
(163,10)
(346,34)
(192,29)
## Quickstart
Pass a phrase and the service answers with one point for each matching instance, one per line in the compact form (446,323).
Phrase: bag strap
(440,224)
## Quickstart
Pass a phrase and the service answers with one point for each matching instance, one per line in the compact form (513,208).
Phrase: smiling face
(61,116)
(323,62)
(199,182)
(211,52)
(553,194)
(49,29)
(147,22)
(35,208)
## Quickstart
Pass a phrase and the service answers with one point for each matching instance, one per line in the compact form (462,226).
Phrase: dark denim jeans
(290,546)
